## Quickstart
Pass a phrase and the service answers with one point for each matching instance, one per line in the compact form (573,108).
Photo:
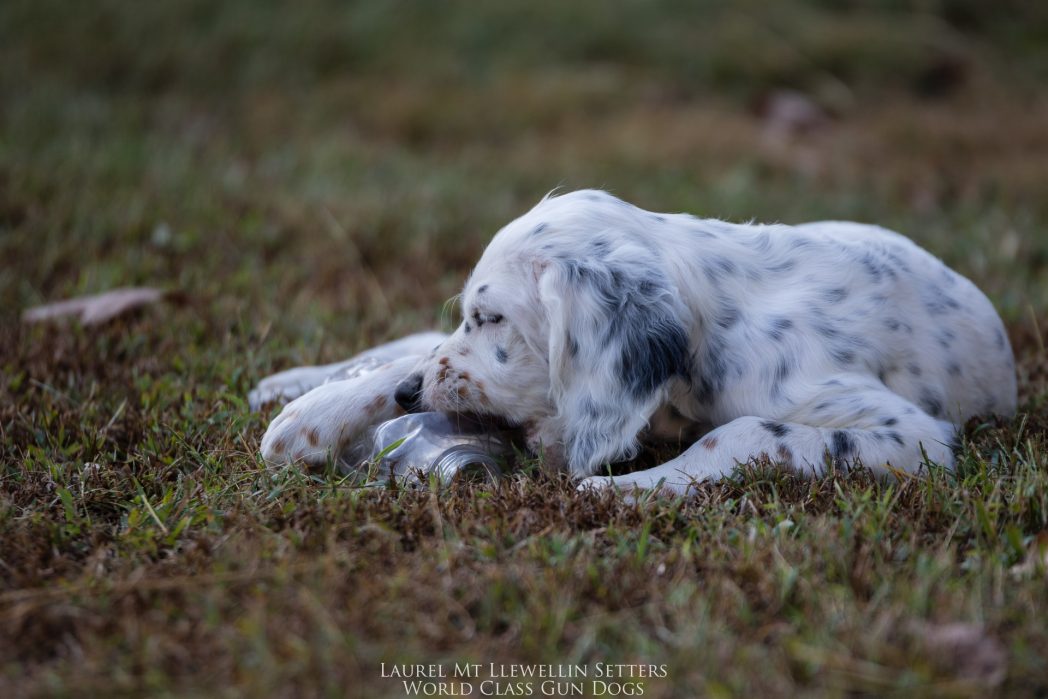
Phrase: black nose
(409,393)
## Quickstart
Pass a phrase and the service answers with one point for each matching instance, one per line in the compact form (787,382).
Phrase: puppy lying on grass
(588,320)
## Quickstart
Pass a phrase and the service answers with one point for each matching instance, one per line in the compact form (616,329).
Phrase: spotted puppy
(588,320)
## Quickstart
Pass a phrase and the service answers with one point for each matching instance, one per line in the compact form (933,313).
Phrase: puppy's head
(492,364)
(569,322)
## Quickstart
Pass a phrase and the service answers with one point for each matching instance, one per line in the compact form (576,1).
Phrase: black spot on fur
(931,403)
(876,268)
(897,438)
(784,266)
(573,346)
(653,354)
(467,328)
(834,295)
(647,287)
(500,355)
(889,422)
(753,274)
(953,369)
(640,322)
(825,330)
(698,228)
(897,260)
(482,288)
(914,370)
(999,338)
(844,349)
(937,302)
(783,369)
(712,366)
(776,428)
(660,219)
(843,446)
(778,326)
(537,230)
(727,317)
(872,267)
(892,324)
(717,267)
(842,355)
(577,272)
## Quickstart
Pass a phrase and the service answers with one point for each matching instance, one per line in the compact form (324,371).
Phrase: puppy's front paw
(631,488)
(292,437)
(595,484)
(319,425)
(630,492)
(312,429)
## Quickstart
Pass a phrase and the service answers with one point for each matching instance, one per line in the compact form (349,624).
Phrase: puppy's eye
(486,318)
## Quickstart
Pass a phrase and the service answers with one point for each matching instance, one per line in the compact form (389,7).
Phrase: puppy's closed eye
(481,318)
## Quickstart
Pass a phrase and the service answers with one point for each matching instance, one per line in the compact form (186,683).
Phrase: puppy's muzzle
(409,393)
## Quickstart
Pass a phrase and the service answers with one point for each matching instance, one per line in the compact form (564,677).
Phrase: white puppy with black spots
(589,321)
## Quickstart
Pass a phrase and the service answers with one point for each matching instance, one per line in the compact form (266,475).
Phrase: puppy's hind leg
(848,423)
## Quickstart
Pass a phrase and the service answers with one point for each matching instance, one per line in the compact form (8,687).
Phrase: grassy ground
(319,179)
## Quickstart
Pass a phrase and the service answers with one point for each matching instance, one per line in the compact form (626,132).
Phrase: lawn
(319,177)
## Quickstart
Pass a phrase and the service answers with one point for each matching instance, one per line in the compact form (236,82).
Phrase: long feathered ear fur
(616,338)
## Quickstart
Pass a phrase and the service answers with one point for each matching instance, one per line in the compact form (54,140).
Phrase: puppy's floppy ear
(616,338)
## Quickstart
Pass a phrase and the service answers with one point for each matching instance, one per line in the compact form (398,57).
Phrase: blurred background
(340,165)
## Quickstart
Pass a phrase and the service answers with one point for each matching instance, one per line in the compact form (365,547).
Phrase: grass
(320,179)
